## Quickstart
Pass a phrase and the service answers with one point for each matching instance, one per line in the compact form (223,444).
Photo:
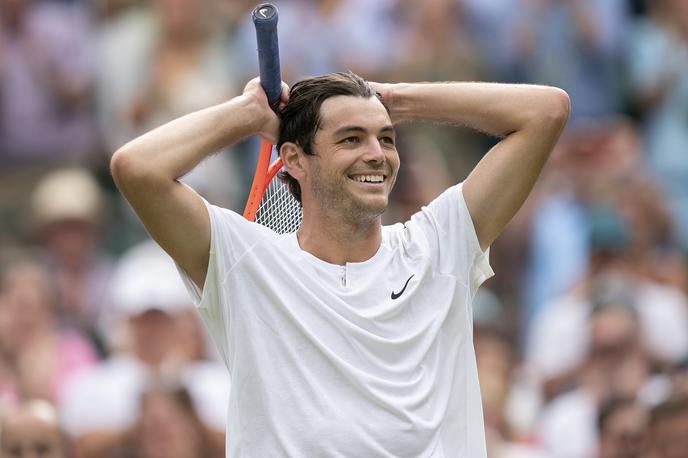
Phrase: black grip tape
(265,19)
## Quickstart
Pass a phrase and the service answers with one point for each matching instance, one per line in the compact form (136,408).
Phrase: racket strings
(278,209)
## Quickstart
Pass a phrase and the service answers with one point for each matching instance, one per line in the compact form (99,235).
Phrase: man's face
(355,159)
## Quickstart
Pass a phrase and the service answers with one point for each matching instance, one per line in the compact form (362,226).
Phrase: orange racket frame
(265,172)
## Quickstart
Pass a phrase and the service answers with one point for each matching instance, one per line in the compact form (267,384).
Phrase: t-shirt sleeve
(447,227)
(231,238)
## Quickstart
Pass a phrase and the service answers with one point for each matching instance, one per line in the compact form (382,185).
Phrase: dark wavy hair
(300,119)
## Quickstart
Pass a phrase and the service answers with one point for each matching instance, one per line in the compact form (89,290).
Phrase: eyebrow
(351,129)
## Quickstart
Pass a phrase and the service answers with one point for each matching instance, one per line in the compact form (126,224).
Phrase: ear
(293,159)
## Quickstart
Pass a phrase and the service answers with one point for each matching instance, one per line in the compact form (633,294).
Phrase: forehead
(345,110)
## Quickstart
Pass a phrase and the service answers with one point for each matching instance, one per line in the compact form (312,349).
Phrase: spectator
(154,337)
(40,354)
(616,367)
(490,24)
(663,311)
(437,35)
(33,430)
(169,427)
(623,429)
(610,218)
(69,222)
(46,82)
(668,426)
(499,385)
(159,62)
(367,48)
(575,45)
(658,68)
(591,167)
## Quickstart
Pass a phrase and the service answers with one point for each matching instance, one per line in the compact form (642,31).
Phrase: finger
(284,96)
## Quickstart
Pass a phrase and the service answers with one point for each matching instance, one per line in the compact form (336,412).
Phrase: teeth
(369,178)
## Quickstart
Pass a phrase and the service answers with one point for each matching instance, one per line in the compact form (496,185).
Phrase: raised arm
(529,118)
(147,169)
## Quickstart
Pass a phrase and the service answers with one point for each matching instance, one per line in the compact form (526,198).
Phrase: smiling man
(346,338)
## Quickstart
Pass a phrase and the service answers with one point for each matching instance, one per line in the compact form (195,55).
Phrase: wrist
(394,98)
(252,112)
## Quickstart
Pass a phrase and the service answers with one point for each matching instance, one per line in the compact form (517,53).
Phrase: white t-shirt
(370,359)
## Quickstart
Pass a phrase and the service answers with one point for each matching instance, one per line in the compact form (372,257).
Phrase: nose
(374,153)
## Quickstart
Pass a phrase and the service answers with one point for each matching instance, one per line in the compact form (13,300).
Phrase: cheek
(394,163)
(393,159)
(328,176)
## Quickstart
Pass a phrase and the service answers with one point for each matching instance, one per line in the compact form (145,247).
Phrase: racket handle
(265,19)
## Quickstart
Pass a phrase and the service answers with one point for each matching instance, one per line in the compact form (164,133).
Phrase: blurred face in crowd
(71,242)
(27,303)
(169,427)
(670,436)
(617,364)
(613,331)
(624,434)
(153,335)
(32,432)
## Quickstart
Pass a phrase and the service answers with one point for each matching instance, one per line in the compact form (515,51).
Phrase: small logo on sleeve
(397,295)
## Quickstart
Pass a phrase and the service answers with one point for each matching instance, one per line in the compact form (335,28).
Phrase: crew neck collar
(311,258)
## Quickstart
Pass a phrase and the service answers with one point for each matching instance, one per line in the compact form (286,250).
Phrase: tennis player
(346,338)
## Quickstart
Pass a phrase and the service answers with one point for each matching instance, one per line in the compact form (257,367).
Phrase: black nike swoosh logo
(396,295)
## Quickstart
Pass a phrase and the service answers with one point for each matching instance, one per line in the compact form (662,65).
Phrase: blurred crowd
(581,338)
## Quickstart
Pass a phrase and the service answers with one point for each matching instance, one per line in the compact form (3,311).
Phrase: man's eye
(350,140)
(387,140)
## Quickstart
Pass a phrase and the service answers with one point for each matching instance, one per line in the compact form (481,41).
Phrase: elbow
(121,166)
(128,169)
(547,110)
(557,107)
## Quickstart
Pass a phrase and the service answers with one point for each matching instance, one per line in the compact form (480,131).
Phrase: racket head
(270,203)
(278,210)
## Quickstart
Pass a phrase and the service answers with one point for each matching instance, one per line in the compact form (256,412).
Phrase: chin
(368,209)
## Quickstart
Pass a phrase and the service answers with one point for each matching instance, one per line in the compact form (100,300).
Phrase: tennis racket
(269,202)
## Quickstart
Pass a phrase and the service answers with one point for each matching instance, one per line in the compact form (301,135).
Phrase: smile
(368,178)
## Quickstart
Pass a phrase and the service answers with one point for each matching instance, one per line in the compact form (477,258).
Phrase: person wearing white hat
(155,337)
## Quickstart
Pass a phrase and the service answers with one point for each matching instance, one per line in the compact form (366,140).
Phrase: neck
(337,241)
